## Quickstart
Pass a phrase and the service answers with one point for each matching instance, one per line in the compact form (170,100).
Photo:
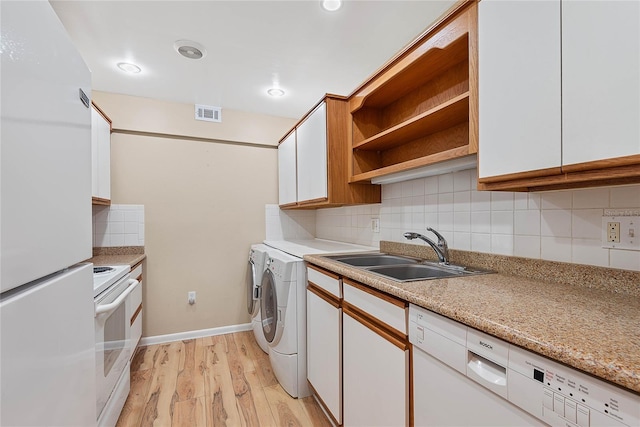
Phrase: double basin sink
(404,269)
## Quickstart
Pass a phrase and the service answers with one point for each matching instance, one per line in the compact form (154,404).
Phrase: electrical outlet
(191,297)
(613,232)
(375,225)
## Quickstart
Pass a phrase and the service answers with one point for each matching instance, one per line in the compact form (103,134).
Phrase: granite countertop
(131,255)
(590,322)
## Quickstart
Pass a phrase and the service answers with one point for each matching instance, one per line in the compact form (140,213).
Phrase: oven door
(112,334)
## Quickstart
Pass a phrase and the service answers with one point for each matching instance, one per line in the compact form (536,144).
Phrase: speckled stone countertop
(589,320)
(131,255)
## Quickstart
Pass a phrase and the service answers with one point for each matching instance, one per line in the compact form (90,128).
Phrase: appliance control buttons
(558,404)
(548,398)
(582,413)
(570,407)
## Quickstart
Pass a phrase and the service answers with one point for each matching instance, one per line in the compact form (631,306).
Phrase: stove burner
(98,270)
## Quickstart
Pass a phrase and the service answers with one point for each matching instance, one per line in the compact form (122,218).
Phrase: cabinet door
(600,80)
(519,86)
(287,170)
(100,155)
(375,377)
(324,352)
(312,156)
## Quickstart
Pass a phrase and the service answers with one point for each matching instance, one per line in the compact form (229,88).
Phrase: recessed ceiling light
(331,5)
(275,92)
(190,49)
(129,68)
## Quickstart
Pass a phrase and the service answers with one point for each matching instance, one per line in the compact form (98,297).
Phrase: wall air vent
(208,113)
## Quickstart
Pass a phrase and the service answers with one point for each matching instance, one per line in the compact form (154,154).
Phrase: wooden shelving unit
(420,108)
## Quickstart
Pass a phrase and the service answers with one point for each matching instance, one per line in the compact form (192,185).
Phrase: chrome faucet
(441,248)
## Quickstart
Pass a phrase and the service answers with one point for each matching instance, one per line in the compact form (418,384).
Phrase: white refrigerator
(47,357)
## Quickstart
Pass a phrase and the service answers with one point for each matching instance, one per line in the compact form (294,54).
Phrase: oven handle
(107,308)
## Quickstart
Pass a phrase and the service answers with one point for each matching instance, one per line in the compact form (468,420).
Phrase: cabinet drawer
(325,280)
(382,307)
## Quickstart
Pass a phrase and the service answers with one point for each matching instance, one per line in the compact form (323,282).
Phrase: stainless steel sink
(406,273)
(404,269)
(371,260)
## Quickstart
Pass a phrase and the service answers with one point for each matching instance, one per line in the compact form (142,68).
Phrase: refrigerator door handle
(108,308)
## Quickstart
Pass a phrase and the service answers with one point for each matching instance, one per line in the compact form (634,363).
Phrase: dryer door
(269,305)
(252,288)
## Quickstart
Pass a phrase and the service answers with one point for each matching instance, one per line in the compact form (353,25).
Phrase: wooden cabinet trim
(521,175)
(378,294)
(135,315)
(323,271)
(322,294)
(376,326)
(603,164)
(324,405)
(100,201)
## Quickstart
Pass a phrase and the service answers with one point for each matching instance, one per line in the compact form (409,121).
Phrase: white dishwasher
(463,377)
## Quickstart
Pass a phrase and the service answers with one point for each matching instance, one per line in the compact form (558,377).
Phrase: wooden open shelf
(421,108)
(437,119)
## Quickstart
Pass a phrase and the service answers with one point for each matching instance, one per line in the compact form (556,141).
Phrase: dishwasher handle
(487,373)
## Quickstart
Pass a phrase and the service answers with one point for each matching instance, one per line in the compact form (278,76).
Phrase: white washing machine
(283,308)
(255,269)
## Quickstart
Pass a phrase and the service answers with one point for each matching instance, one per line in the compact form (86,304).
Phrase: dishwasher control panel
(554,393)
(572,398)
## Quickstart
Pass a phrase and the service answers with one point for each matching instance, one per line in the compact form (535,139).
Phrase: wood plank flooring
(224,380)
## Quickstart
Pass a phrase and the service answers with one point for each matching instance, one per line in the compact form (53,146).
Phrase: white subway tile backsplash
(502,222)
(527,246)
(587,224)
(118,225)
(626,260)
(555,223)
(625,197)
(481,222)
(561,226)
(591,198)
(556,200)
(481,242)
(501,201)
(555,248)
(589,251)
(527,223)
(502,244)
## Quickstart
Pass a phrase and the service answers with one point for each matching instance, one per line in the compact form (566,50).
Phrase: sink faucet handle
(442,242)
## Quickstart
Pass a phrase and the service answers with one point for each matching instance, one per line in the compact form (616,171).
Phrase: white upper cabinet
(559,93)
(287,179)
(519,86)
(312,155)
(100,157)
(601,80)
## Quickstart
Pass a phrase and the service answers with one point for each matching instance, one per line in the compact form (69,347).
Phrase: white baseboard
(161,339)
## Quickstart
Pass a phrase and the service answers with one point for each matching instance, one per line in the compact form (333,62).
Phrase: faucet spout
(440,248)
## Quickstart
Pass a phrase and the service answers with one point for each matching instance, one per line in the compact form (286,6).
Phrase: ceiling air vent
(208,113)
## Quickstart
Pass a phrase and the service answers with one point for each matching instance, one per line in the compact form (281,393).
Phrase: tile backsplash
(118,225)
(559,226)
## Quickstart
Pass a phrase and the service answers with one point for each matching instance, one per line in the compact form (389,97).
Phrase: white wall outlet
(375,225)
(613,232)
(620,232)
(191,297)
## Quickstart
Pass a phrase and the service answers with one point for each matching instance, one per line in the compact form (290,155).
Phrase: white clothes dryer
(283,307)
(255,269)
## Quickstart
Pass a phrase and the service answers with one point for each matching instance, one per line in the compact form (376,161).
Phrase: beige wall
(204,206)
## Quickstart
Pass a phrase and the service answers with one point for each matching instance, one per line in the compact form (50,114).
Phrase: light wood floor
(224,380)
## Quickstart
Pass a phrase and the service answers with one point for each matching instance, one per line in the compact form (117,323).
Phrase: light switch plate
(621,232)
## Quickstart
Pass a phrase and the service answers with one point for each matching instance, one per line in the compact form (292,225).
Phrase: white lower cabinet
(324,352)
(376,377)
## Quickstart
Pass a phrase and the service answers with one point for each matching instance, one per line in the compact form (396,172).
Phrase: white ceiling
(251,46)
